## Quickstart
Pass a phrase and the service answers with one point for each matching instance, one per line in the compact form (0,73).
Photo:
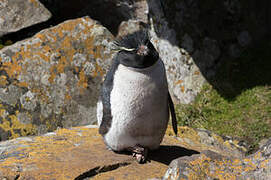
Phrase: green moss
(237,102)
(1,44)
(6,43)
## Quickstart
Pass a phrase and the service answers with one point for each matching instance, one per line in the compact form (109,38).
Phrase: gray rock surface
(19,14)
(52,79)
(211,165)
(184,77)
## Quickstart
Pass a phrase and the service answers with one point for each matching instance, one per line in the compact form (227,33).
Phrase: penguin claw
(140,158)
(140,153)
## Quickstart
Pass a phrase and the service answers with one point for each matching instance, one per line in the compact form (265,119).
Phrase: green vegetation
(1,44)
(237,102)
(5,43)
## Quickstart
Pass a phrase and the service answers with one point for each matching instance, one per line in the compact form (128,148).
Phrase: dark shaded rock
(19,14)
(199,35)
(109,13)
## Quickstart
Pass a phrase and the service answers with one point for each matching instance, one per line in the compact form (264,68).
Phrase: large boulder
(18,14)
(80,153)
(211,165)
(52,79)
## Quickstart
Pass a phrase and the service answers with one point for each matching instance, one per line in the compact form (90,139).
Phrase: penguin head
(136,50)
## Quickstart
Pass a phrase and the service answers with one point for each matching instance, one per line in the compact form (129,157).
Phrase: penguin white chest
(139,107)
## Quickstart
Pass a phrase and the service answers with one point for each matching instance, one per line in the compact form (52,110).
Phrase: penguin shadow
(165,154)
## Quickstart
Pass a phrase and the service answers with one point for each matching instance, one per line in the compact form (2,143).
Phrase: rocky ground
(54,55)
(79,153)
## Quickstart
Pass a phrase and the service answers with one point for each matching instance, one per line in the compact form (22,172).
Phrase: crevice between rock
(101,169)
(17,177)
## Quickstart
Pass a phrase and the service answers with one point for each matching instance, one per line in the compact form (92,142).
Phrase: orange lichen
(264,163)
(40,36)
(25,54)
(3,80)
(178,82)
(22,84)
(52,50)
(82,80)
(14,123)
(197,73)
(68,97)
(182,89)
(52,77)
(42,55)
(41,93)
(61,65)
(34,2)
(64,155)
(13,69)
(98,71)
(249,166)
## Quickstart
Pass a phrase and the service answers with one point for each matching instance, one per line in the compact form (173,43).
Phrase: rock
(202,140)
(187,43)
(52,79)
(130,26)
(211,165)
(109,13)
(244,38)
(184,77)
(18,14)
(234,51)
(80,153)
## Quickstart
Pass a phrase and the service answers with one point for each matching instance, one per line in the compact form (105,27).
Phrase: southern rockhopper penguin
(133,110)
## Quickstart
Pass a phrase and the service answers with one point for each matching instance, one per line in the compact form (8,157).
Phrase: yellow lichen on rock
(3,80)
(55,68)
(13,69)
(10,123)
(68,153)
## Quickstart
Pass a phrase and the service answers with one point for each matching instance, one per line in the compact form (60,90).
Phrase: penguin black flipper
(173,114)
(105,96)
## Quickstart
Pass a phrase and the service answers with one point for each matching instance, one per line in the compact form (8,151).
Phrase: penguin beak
(142,50)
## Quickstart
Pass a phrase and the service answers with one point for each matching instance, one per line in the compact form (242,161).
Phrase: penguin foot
(140,153)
